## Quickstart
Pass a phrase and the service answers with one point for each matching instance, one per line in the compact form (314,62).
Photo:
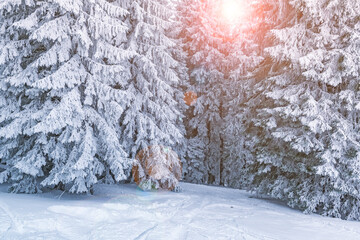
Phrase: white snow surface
(125,212)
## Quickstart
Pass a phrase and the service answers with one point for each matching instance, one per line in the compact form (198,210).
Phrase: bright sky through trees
(226,17)
(232,10)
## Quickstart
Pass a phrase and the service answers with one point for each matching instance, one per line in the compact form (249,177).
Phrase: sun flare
(232,16)
(232,10)
(226,18)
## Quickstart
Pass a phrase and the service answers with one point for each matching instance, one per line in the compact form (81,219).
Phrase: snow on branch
(71,74)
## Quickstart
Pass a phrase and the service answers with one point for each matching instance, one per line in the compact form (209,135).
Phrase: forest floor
(125,212)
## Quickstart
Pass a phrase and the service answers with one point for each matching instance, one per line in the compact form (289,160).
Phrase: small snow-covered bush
(157,167)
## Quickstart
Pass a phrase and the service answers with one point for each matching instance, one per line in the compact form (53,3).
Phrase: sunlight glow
(232,10)
(226,19)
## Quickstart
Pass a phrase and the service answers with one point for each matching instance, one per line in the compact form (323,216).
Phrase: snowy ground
(124,212)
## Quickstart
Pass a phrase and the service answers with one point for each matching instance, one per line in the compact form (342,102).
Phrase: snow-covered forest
(88,85)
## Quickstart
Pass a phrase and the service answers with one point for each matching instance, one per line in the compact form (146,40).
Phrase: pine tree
(206,52)
(246,67)
(242,64)
(154,116)
(305,129)
(62,67)
(180,55)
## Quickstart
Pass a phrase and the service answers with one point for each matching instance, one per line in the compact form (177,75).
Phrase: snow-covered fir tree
(205,63)
(62,68)
(175,32)
(245,68)
(305,124)
(242,62)
(185,9)
(154,116)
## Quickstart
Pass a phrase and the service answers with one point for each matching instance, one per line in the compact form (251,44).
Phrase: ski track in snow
(5,221)
(123,212)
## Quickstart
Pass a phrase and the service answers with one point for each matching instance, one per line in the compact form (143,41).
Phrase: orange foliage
(158,164)
(190,98)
